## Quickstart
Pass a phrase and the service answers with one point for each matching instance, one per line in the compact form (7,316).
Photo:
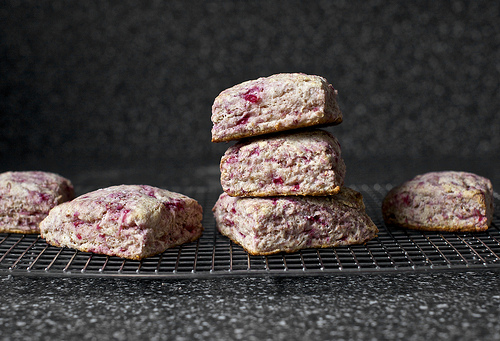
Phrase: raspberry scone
(27,197)
(271,104)
(441,201)
(269,225)
(128,221)
(303,163)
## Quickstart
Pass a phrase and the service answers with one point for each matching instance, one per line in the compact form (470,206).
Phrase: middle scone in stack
(283,186)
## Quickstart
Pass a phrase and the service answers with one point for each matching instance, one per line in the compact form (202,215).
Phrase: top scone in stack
(283,186)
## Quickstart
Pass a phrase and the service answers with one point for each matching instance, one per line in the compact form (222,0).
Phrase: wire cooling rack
(394,250)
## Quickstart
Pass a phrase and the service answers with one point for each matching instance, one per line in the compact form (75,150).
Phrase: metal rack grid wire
(394,250)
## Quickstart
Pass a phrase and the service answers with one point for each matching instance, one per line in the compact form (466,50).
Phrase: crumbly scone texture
(129,221)
(271,104)
(302,163)
(268,225)
(27,197)
(441,201)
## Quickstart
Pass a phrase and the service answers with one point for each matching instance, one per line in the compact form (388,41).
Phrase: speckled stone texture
(129,221)
(403,306)
(417,79)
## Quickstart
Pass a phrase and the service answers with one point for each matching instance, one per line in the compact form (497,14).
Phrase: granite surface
(408,306)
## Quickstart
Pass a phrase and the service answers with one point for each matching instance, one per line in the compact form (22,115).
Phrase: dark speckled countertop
(423,306)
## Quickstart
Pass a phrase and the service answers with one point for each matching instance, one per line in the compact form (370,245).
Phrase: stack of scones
(283,180)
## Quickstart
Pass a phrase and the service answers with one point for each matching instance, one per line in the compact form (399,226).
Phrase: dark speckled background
(132,82)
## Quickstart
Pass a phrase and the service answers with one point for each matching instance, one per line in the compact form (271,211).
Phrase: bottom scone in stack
(283,187)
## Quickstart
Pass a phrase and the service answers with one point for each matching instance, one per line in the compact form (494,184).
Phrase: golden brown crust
(470,228)
(266,194)
(6,229)
(277,128)
(262,253)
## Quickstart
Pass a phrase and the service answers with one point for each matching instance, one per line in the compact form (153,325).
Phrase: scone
(129,221)
(27,197)
(269,225)
(302,163)
(441,201)
(272,104)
